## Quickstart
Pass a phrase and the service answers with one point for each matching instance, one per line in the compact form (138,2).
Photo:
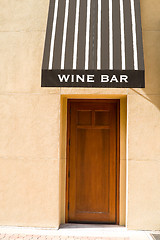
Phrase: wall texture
(30,123)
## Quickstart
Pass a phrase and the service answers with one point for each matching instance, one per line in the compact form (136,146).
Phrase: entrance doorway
(92,186)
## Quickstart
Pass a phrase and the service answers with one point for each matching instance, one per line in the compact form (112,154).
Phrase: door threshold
(107,231)
(90,225)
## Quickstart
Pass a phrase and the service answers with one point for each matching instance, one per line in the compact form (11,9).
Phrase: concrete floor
(74,232)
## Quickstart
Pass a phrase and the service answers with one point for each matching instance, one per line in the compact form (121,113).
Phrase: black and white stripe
(94,35)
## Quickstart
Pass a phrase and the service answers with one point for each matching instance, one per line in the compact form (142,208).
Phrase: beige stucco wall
(32,153)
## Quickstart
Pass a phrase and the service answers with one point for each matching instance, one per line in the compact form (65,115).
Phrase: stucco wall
(144,130)
(30,142)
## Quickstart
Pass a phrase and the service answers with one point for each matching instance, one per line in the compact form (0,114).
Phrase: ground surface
(74,232)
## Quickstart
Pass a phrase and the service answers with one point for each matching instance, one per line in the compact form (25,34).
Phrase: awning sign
(93,43)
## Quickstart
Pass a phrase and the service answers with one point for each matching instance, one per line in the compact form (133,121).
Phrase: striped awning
(93,43)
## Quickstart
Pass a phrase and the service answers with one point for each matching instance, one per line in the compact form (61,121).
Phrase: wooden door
(93,161)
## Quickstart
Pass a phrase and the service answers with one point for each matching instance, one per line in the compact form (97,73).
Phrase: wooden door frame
(117,101)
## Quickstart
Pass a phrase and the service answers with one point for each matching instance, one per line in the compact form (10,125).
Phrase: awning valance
(93,43)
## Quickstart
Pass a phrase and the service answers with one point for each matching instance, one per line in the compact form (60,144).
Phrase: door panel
(92,161)
(86,196)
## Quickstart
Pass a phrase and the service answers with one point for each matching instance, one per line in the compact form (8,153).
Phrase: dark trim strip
(105,35)
(59,35)
(82,35)
(117,63)
(48,35)
(139,36)
(128,36)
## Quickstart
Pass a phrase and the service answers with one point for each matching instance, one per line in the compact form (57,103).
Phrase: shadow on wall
(151,92)
(149,97)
